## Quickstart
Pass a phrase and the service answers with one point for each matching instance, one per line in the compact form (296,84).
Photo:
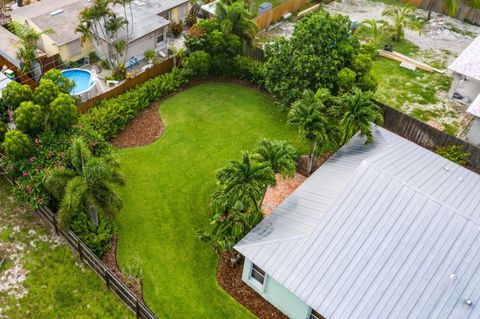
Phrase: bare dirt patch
(145,129)
(230,279)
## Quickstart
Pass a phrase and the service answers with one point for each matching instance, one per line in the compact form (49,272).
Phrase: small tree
(358,115)
(86,186)
(64,84)
(30,118)
(279,155)
(235,18)
(15,93)
(17,145)
(312,123)
(62,113)
(27,45)
(45,93)
(373,31)
(403,17)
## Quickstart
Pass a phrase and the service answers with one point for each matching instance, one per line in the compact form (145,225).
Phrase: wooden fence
(158,69)
(424,134)
(465,13)
(264,20)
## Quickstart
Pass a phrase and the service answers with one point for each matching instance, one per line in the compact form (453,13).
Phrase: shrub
(15,93)
(176,28)
(93,57)
(150,54)
(46,92)
(29,118)
(111,116)
(65,85)
(346,79)
(191,19)
(62,113)
(17,144)
(98,239)
(198,63)
(248,69)
(454,153)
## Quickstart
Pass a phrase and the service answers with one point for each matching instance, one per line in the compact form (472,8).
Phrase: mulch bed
(230,279)
(110,260)
(145,129)
(302,165)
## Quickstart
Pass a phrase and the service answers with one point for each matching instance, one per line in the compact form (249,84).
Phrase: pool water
(82,78)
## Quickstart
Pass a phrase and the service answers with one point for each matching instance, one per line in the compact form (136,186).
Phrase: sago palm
(85,185)
(306,114)
(359,114)
(242,181)
(279,155)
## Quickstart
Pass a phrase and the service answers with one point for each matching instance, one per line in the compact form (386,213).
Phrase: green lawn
(57,284)
(168,188)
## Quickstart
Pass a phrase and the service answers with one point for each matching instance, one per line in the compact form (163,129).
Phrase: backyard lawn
(40,277)
(168,185)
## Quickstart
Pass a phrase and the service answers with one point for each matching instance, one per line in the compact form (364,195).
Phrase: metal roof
(8,46)
(468,62)
(377,232)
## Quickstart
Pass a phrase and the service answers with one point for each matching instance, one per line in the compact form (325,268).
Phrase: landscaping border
(135,304)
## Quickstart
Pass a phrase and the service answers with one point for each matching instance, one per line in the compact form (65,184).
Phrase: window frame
(260,272)
(314,314)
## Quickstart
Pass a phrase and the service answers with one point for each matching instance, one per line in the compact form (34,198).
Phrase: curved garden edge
(147,127)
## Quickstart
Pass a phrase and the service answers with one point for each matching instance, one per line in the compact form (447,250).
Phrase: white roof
(377,232)
(474,108)
(3,82)
(468,62)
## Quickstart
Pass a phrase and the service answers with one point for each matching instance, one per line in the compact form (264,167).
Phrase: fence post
(79,248)
(107,278)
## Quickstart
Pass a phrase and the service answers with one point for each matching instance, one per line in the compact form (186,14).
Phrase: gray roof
(468,62)
(42,7)
(8,46)
(3,82)
(377,232)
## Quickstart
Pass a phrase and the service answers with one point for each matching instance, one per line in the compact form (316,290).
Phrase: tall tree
(235,18)
(109,28)
(359,114)
(86,185)
(27,45)
(242,182)
(312,123)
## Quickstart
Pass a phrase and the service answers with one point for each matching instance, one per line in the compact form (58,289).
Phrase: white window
(257,274)
(315,315)
(182,11)
(160,39)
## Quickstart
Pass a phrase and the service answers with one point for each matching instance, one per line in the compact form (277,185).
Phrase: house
(387,230)
(150,24)
(62,17)
(3,82)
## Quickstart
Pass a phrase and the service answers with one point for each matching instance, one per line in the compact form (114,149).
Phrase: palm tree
(85,185)
(312,123)
(403,17)
(359,114)
(450,7)
(373,31)
(280,156)
(236,19)
(242,182)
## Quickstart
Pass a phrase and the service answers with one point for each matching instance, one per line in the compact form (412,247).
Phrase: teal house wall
(276,294)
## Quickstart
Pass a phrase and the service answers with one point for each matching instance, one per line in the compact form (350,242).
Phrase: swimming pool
(84,80)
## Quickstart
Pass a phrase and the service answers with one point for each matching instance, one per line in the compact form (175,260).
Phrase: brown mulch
(230,279)
(110,260)
(302,165)
(145,129)
(274,196)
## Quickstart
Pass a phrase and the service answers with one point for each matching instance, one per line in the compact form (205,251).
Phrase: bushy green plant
(30,118)
(198,63)
(454,153)
(15,93)
(17,145)
(64,84)
(3,130)
(248,69)
(98,239)
(150,54)
(46,92)
(62,113)
(346,79)
(191,19)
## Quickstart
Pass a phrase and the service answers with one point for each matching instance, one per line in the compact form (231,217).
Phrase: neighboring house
(387,230)
(62,17)
(150,25)
(3,82)
(8,48)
